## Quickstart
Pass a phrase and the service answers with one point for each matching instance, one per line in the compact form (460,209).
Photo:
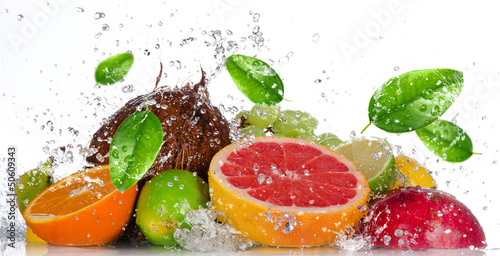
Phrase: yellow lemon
(412,173)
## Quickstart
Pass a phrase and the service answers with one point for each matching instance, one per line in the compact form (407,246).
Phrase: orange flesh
(74,194)
(81,210)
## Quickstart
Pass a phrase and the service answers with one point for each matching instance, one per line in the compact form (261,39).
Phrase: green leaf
(255,79)
(134,148)
(415,99)
(114,68)
(446,140)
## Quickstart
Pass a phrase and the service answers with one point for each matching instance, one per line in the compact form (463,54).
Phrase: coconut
(194,130)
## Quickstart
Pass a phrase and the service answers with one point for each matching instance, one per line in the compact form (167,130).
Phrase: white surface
(48,57)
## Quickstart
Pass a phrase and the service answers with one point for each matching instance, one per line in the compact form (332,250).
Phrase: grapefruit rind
(286,226)
(102,222)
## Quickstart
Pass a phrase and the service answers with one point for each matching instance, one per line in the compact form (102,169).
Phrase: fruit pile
(167,154)
(277,190)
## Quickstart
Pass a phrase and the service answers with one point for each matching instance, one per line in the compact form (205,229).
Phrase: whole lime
(164,202)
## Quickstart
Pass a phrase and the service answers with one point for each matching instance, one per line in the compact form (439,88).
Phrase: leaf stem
(365,128)
(477,153)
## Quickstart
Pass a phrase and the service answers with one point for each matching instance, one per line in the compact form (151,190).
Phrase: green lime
(374,159)
(164,202)
(32,183)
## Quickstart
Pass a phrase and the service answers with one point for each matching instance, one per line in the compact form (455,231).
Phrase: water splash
(352,243)
(207,235)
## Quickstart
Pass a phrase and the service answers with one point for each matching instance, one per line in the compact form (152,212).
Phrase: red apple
(422,218)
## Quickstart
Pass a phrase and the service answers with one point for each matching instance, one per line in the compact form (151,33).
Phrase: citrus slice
(412,173)
(81,209)
(374,159)
(289,192)
(33,238)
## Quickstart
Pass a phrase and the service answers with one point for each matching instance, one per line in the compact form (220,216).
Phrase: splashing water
(207,235)
(352,243)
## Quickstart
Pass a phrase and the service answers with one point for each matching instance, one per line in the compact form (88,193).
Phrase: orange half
(81,209)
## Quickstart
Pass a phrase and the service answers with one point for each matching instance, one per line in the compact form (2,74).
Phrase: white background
(331,57)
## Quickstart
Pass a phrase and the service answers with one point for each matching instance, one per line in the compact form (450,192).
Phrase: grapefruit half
(288,192)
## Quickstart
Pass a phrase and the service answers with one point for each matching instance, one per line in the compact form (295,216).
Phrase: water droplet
(261,178)
(98,35)
(306,173)
(401,242)
(269,180)
(100,183)
(315,38)
(157,46)
(146,52)
(79,9)
(256,17)
(72,194)
(398,232)
(128,159)
(387,239)
(127,88)
(427,94)
(256,167)
(423,108)
(115,154)
(435,110)
(396,68)
(76,217)
(290,224)
(26,202)
(99,15)
(170,184)
(105,27)
(20,17)
(181,186)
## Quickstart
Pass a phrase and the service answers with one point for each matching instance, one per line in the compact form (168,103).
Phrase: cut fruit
(374,159)
(282,191)
(412,173)
(81,209)
(33,238)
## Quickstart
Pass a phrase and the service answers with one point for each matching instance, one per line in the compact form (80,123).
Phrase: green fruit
(262,116)
(252,130)
(374,159)
(329,140)
(243,117)
(294,123)
(164,202)
(307,135)
(33,183)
